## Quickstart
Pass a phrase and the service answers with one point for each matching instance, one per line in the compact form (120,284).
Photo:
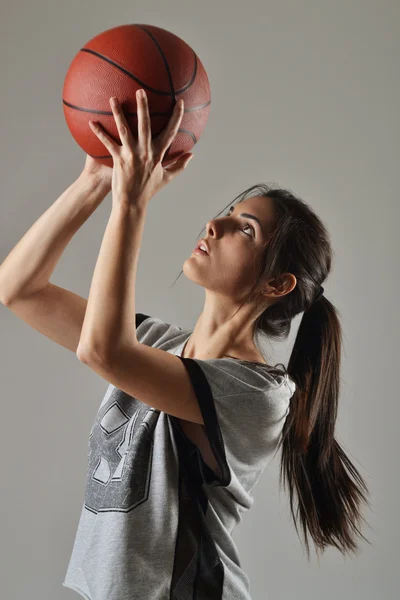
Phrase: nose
(211,228)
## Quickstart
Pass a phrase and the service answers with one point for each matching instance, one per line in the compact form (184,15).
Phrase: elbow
(81,354)
(4,299)
(88,356)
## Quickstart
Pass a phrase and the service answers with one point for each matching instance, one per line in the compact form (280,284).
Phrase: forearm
(31,262)
(110,313)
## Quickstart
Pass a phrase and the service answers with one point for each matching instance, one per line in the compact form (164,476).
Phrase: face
(237,244)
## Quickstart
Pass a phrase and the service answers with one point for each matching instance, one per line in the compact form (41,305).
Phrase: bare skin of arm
(25,288)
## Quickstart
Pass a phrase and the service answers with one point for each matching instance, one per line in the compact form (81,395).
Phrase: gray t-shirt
(157,521)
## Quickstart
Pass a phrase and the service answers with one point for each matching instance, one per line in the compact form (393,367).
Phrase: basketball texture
(122,60)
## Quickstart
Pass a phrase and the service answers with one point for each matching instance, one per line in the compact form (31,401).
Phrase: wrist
(96,189)
(130,201)
(94,183)
(127,209)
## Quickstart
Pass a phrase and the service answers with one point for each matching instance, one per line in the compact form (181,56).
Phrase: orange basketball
(120,61)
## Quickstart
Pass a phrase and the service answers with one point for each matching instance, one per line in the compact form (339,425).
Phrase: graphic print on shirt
(120,453)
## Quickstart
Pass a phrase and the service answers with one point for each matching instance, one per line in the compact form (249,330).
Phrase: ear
(280,286)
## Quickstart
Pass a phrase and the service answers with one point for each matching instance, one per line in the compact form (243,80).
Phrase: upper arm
(55,312)
(153,376)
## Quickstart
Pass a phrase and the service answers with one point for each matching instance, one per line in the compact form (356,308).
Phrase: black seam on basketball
(141,83)
(168,70)
(189,133)
(133,114)
(128,114)
(164,58)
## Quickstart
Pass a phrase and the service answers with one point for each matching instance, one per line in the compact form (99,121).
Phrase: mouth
(202,245)
(199,251)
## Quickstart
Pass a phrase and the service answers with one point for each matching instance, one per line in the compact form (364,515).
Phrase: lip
(203,241)
(200,252)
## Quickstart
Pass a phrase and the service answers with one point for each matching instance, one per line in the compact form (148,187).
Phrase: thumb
(179,165)
(188,158)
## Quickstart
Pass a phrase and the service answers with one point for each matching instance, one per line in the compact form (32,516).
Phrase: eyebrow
(248,216)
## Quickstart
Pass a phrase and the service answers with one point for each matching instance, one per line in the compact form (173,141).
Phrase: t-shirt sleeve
(244,410)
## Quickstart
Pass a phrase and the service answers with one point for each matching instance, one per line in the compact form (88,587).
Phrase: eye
(251,229)
(247,226)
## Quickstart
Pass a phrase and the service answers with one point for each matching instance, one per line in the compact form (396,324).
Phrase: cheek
(241,260)
(237,268)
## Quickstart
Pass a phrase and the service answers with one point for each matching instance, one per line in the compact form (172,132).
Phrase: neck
(210,341)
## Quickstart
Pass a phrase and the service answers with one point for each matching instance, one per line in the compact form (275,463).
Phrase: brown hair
(329,488)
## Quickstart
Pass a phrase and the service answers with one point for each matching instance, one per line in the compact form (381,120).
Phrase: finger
(168,135)
(144,124)
(103,137)
(124,130)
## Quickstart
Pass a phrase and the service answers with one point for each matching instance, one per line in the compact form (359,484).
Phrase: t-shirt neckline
(182,346)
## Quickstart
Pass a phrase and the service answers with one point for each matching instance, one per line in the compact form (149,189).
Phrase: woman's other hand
(95,171)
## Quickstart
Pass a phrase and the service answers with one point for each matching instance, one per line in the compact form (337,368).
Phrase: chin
(191,271)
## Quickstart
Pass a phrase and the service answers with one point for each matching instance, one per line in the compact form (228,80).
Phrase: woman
(191,418)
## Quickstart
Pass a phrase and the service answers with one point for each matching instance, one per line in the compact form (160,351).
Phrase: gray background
(305,95)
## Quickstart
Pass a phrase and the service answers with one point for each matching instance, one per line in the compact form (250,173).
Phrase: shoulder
(228,377)
(153,331)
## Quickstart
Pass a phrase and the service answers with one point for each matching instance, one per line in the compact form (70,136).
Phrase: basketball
(122,60)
